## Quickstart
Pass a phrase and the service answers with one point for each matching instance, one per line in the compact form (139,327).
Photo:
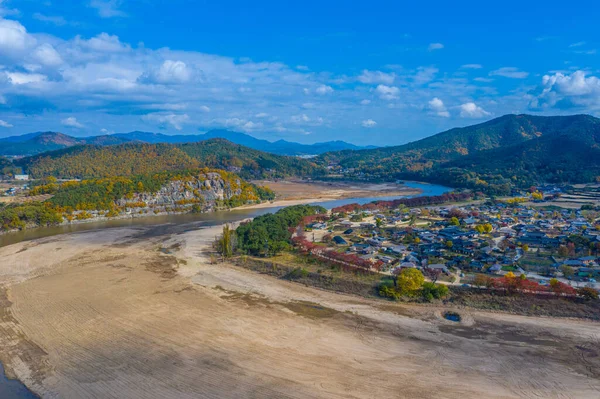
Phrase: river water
(203,218)
(11,389)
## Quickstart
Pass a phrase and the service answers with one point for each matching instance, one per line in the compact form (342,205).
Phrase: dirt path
(128,314)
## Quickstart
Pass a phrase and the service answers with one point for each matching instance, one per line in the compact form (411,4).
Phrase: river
(212,218)
(11,389)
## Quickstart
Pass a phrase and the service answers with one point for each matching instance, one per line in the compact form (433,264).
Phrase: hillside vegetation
(166,192)
(36,143)
(139,158)
(511,150)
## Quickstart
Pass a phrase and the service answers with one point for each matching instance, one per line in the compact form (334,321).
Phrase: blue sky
(377,72)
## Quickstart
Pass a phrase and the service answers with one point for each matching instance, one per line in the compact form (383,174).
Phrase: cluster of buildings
(483,238)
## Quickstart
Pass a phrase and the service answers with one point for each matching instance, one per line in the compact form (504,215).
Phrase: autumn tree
(226,243)
(432,274)
(410,281)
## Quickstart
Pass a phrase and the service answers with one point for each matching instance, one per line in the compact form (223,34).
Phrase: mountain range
(35,143)
(494,156)
(512,150)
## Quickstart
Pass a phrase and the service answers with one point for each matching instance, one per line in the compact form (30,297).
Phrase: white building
(21,177)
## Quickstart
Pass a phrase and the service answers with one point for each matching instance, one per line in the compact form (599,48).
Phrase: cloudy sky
(377,72)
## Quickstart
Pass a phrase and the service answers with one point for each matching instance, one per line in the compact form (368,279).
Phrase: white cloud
(47,55)
(484,80)
(103,43)
(175,120)
(170,72)
(369,123)
(425,74)
(19,78)
(578,44)
(14,37)
(55,20)
(324,89)
(71,122)
(204,108)
(387,92)
(471,66)
(108,8)
(5,124)
(370,77)
(304,119)
(261,115)
(4,11)
(302,67)
(472,110)
(567,91)
(435,46)
(510,72)
(437,106)
(365,102)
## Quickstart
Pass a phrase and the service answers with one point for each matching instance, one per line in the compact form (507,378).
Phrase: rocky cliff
(204,193)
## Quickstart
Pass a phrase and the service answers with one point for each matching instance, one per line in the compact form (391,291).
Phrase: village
(457,243)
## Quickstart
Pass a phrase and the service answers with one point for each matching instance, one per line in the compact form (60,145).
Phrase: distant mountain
(135,158)
(35,143)
(492,156)
(280,147)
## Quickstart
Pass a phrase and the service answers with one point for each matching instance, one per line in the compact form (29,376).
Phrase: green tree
(454,221)
(431,291)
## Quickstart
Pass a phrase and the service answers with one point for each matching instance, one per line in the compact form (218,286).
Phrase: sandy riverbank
(140,312)
(323,191)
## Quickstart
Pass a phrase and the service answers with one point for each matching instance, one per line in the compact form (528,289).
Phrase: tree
(413,220)
(488,228)
(588,293)
(226,243)
(378,222)
(481,280)
(563,252)
(449,244)
(454,221)
(525,247)
(410,281)
(431,291)
(567,271)
(432,274)
(537,196)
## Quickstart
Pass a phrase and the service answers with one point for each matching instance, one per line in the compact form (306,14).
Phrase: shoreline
(277,203)
(120,288)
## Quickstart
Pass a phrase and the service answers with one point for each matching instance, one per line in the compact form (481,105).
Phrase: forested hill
(130,159)
(512,149)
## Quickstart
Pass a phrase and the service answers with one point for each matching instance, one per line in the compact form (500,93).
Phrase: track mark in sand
(307,309)
(165,266)
(16,351)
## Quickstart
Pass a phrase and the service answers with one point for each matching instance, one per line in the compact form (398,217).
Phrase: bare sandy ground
(301,189)
(130,313)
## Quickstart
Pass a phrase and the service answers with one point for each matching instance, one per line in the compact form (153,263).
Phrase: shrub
(588,293)
(431,291)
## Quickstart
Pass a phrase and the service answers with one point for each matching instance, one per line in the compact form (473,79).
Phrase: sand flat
(114,317)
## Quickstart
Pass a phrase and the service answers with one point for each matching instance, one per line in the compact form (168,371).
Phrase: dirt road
(129,313)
